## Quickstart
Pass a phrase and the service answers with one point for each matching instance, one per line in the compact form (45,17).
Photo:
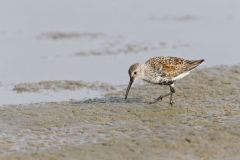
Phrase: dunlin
(162,71)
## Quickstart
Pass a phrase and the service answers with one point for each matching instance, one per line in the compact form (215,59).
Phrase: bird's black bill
(129,86)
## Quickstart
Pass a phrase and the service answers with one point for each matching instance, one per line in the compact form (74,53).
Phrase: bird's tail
(194,63)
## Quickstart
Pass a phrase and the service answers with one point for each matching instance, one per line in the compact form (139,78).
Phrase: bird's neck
(142,68)
(149,75)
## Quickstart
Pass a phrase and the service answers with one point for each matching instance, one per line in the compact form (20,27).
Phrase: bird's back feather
(172,66)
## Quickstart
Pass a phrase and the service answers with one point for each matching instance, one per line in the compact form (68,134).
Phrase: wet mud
(129,48)
(204,123)
(68,35)
(184,18)
(58,85)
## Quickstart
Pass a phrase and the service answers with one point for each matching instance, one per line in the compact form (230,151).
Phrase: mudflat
(204,123)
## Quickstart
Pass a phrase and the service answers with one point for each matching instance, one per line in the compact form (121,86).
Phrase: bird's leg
(172,91)
(160,98)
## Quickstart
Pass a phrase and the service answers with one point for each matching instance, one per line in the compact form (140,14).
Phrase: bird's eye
(135,73)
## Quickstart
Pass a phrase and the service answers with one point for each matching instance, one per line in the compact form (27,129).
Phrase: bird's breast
(157,79)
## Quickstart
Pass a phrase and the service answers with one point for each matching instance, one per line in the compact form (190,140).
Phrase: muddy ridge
(69,35)
(130,48)
(61,85)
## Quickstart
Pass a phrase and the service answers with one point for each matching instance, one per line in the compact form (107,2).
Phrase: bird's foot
(156,100)
(171,102)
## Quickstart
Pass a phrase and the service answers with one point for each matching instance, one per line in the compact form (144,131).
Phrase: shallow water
(128,32)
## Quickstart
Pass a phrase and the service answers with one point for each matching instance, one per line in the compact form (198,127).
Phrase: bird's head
(136,71)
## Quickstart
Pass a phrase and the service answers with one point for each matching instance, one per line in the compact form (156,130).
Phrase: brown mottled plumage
(162,71)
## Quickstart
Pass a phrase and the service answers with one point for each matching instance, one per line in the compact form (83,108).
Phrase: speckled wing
(172,66)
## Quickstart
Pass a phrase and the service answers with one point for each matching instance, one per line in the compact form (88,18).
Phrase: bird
(162,70)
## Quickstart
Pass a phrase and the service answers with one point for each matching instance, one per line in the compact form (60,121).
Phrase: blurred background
(98,40)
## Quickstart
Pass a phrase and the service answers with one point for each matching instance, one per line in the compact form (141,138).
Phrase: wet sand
(58,85)
(204,123)
(68,35)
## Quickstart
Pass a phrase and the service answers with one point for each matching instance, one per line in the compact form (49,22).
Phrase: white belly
(180,76)
(157,80)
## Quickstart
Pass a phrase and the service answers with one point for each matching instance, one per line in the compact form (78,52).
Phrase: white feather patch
(181,76)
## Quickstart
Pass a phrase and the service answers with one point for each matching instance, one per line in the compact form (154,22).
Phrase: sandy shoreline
(203,124)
